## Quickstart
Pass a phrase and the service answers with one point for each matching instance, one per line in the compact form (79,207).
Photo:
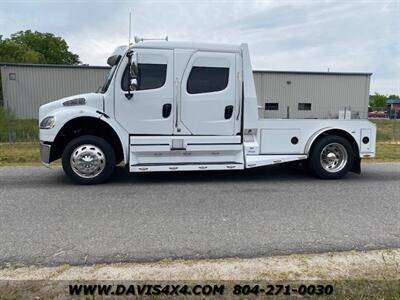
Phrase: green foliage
(377,100)
(36,48)
(1,92)
(5,115)
(17,130)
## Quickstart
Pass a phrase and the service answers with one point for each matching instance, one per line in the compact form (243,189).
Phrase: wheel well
(342,133)
(356,152)
(83,126)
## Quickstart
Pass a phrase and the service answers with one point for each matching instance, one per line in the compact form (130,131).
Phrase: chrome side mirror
(133,84)
(133,71)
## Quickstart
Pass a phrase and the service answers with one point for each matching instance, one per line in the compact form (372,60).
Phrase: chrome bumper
(45,153)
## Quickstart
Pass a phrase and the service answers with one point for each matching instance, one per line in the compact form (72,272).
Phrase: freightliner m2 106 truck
(169,106)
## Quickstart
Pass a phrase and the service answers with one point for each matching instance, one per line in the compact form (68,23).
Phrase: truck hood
(91,99)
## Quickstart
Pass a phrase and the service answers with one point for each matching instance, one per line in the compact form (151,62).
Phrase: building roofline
(311,72)
(393,101)
(5,64)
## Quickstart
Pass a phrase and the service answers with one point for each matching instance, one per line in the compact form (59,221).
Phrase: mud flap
(356,168)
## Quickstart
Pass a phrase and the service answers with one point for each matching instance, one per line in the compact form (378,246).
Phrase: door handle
(166,110)
(228,112)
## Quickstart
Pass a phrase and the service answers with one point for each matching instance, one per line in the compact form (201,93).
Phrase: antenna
(130,25)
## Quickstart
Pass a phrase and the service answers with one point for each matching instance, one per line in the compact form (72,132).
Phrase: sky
(312,35)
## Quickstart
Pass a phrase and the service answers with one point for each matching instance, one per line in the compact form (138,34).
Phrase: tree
(36,47)
(393,97)
(377,100)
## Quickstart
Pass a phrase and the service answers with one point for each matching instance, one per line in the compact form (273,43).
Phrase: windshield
(106,84)
(115,62)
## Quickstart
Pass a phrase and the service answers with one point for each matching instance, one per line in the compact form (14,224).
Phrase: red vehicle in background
(377,114)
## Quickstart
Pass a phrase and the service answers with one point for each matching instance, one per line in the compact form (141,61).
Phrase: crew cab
(172,106)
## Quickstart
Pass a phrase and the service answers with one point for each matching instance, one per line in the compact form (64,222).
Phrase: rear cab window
(207,79)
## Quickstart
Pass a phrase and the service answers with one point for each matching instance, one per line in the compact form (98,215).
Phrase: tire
(331,157)
(88,159)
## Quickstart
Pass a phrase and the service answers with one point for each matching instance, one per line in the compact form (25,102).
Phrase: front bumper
(45,153)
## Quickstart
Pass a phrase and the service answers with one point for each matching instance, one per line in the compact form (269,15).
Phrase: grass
(19,154)
(388,141)
(387,130)
(353,275)
(18,130)
(386,153)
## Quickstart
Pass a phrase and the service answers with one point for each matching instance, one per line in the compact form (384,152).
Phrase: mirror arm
(129,94)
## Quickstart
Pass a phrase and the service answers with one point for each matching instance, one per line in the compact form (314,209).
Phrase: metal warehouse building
(27,86)
(288,94)
(281,94)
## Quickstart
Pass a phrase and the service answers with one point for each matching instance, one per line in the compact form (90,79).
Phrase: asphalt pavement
(47,220)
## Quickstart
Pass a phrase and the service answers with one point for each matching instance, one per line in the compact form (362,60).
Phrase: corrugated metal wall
(33,86)
(327,92)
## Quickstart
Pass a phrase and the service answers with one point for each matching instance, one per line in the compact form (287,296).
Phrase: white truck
(169,106)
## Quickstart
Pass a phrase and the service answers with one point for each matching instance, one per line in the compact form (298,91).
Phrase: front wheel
(88,159)
(331,157)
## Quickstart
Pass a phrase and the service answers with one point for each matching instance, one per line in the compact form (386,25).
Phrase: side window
(207,80)
(150,76)
(271,106)
(304,106)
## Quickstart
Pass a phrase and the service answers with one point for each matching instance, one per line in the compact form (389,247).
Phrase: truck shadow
(41,177)
(277,173)
(284,172)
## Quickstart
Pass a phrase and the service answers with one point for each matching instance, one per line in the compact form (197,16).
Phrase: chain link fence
(26,130)
(17,130)
(387,121)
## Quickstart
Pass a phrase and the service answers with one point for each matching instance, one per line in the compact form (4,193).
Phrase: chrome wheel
(333,157)
(87,161)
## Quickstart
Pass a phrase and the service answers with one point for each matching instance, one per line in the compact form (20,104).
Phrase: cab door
(149,110)
(208,95)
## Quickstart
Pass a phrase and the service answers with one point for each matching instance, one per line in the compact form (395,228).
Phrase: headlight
(73,102)
(48,123)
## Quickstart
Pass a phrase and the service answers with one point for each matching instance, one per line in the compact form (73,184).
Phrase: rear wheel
(331,157)
(88,160)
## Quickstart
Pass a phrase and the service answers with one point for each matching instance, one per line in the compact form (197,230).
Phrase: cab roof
(189,45)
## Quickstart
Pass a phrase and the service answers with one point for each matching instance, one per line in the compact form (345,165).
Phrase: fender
(65,114)
(122,134)
(315,135)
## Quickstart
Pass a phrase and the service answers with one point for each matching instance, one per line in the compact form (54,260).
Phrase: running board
(253,161)
(185,167)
